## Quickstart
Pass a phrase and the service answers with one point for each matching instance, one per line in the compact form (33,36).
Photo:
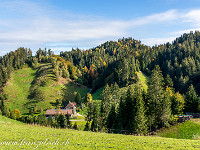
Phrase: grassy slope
(5,120)
(13,132)
(143,81)
(18,89)
(185,130)
(97,94)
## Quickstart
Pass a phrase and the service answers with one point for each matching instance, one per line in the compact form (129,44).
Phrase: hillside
(187,130)
(5,120)
(18,89)
(72,139)
(141,77)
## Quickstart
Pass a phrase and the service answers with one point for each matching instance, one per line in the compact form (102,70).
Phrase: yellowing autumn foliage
(85,69)
(168,90)
(104,63)
(137,54)
(179,100)
(16,112)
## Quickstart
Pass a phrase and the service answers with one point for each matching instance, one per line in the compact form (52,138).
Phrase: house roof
(58,111)
(70,104)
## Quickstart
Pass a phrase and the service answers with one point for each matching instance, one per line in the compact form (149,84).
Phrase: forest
(173,86)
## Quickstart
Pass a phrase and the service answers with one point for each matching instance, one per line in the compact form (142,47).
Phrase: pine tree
(155,94)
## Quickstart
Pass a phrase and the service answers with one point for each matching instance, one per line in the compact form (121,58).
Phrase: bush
(75,126)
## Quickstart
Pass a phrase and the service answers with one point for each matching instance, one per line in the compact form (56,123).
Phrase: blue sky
(63,24)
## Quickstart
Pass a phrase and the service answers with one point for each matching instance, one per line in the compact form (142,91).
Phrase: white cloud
(154,41)
(163,17)
(193,17)
(43,26)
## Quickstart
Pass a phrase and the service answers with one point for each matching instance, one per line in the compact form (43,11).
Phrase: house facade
(70,109)
(54,112)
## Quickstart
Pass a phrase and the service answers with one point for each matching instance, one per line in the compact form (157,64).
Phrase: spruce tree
(87,128)
(155,97)
(192,100)
(111,118)
(168,81)
(105,103)
(2,106)
(78,98)
(89,111)
(166,107)
(119,119)
(61,121)
(94,118)
(68,121)
(129,112)
(115,94)
(140,123)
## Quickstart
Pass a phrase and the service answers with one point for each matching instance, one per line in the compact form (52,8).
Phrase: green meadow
(15,135)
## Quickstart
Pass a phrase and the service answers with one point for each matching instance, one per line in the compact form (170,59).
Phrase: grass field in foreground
(30,137)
